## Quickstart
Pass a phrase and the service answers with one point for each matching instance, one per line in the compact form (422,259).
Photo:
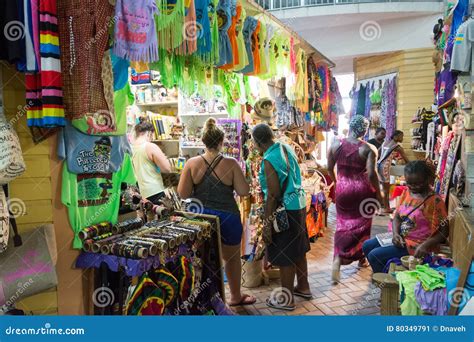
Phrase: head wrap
(359,125)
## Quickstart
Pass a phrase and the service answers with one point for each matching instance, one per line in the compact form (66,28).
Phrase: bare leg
(386,193)
(302,284)
(233,270)
(287,275)
(336,270)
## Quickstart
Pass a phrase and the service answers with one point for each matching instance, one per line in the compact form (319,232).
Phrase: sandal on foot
(302,295)
(363,263)
(274,305)
(245,299)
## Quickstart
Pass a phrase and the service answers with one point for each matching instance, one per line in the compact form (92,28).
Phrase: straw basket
(252,275)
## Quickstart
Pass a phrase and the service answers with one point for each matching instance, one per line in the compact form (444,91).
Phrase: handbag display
(30,268)
(12,164)
(280,222)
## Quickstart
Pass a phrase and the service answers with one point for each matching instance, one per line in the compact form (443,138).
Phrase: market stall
(96,70)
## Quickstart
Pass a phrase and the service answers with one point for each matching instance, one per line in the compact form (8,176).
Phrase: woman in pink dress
(357,194)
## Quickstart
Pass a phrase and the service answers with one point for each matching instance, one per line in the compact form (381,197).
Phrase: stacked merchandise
(232,145)
(177,273)
(453,95)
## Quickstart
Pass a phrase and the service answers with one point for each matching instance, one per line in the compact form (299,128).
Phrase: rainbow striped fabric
(44,94)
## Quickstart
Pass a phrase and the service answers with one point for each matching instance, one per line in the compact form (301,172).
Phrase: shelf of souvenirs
(205,114)
(164,103)
(166,141)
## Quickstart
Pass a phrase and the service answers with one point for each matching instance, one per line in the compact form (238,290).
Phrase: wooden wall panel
(33,188)
(415,84)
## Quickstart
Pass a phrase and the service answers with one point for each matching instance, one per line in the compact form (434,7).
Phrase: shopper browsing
(377,141)
(420,222)
(280,179)
(388,152)
(356,187)
(210,181)
(149,162)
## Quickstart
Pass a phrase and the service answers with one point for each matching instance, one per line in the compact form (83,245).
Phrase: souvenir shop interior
(95,238)
(92,73)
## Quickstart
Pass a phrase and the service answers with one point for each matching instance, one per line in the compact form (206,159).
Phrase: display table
(131,267)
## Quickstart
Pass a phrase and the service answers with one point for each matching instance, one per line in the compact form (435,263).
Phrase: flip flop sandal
(245,300)
(280,307)
(303,295)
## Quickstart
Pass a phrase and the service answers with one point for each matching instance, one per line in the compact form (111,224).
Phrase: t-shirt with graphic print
(94,197)
(89,153)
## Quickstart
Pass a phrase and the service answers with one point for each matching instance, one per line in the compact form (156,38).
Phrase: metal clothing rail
(382,77)
(283,4)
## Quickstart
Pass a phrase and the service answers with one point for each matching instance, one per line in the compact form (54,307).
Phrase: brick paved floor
(355,295)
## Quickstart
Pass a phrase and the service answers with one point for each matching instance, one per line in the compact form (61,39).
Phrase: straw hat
(263,109)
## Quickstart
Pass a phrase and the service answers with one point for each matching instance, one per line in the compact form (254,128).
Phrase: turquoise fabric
(294,197)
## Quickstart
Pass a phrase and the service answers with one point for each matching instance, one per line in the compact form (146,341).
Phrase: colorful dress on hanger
(353,187)
(250,25)
(135,33)
(232,33)
(224,14)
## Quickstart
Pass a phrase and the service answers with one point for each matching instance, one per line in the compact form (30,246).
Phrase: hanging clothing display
(135,32)
(94,197)
(91,154)
(82,53)
(170,25)
(391,114)
(224,13)
(44,91)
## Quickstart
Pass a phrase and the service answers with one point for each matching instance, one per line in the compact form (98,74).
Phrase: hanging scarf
(44,92)
(135,33)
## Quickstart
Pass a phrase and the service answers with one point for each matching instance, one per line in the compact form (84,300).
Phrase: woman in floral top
(420,223)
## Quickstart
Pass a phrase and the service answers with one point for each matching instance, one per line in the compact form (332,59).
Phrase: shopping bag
(30,268)
(12,164)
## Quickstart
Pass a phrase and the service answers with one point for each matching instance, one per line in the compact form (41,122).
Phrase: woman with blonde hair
(210,180)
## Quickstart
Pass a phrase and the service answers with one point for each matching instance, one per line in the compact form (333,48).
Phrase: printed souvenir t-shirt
(463,58)
(446,86)
(90,153)
(94,197)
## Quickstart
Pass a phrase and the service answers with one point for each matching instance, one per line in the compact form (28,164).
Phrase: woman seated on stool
(420,222)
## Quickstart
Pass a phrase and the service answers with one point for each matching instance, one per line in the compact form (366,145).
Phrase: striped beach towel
(44,95)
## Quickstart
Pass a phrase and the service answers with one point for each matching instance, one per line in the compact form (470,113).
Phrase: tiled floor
(355,295)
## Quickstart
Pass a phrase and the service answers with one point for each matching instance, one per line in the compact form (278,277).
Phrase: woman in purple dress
(357,194)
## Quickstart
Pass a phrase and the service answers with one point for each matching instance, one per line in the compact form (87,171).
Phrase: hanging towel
(44,93)
(135,33)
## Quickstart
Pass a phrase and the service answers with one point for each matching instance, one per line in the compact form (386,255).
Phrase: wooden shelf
(193,147)
(419,151)
(158,104)
(204,114)
(417,122)
(417,136)
(167,141)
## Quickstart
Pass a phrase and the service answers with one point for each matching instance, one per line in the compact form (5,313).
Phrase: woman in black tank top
(210,181)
